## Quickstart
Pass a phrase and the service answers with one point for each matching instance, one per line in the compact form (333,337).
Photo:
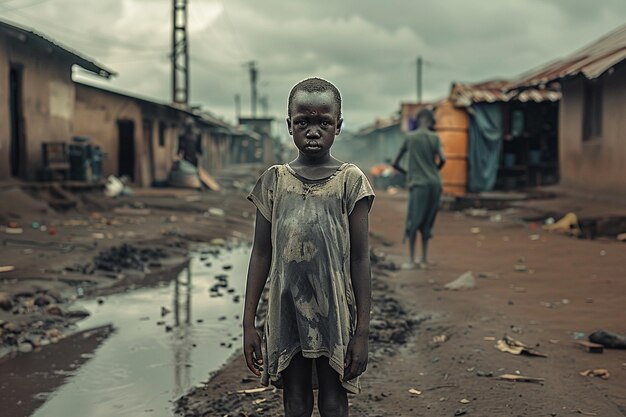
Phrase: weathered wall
(47,99)
(596,165)
(5,128)
(97,113)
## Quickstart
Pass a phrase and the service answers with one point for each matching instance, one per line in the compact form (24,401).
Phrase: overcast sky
(367,48)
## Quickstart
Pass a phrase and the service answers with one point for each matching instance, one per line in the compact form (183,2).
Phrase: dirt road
(542,289)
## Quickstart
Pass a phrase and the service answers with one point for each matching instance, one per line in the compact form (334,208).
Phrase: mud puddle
(164,341)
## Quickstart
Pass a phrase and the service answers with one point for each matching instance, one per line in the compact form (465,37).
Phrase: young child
(311,241)
(426,158)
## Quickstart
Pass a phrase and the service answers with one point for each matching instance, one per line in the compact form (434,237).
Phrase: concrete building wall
(596,165)
(47,102)
(97,114)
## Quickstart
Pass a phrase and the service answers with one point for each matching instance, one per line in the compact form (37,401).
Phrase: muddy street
(545,290)
(128,304)
(146,321)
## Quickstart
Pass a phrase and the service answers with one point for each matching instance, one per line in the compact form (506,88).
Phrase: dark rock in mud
(43,300)
(127,256)
(77,313)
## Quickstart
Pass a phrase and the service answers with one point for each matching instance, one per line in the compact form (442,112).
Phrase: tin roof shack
(512,137)
(36,76)
(371,145)
(140,137)
(265,149)
(592,116)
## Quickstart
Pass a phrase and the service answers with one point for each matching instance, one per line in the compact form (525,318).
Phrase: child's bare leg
(332,400)
(297,388)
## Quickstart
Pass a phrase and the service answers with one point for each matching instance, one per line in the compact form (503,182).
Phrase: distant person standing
(426,158)
(189,143)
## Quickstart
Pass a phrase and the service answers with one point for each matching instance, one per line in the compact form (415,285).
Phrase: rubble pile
(41,318)
(128,256)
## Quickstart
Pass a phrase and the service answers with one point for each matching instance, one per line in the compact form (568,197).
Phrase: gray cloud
(367,47)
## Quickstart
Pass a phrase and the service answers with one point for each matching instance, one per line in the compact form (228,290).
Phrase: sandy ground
(562,288)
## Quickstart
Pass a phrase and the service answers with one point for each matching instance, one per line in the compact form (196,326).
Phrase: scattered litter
(603,253)
(621,237)
(534,237)
(460,412)
(521,378)
(608,340)
(253,390)
(208,180)
(589,346)
(515,347)
(113,186)
(489,338)
(464,282)
(579,336)
(440,339)
(475,230)
(585,413)
(259,401)
(14,230)
(488,275)
(519,267)
(217,212)
(465,401)
(415,392)
(7,268)
(496,218)
(568,224)
(97,235)
(600,373)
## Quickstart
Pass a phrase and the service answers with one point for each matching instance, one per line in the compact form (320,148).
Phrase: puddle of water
(143,365)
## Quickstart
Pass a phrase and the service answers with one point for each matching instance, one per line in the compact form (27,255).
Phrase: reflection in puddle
(158,350)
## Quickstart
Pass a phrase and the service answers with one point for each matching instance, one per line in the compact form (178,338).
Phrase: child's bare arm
(258,270)
(356,357)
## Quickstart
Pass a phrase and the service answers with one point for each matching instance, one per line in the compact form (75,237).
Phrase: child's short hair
(315,85)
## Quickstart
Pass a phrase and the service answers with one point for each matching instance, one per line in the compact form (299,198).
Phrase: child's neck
(315,168)
(312,161)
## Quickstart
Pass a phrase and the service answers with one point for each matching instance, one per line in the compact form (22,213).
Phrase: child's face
(314,122)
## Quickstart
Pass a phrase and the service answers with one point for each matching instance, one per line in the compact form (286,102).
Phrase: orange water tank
(452,127)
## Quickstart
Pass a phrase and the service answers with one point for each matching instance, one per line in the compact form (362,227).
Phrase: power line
(234,31)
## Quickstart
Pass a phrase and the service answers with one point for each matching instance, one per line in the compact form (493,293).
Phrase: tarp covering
(485,141)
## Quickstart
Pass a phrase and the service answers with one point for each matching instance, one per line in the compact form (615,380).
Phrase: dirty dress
(311,306)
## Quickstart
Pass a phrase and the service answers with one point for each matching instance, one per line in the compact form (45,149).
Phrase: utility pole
(264,102)
(254,71)
(180,53)
(237,107)
(419,79)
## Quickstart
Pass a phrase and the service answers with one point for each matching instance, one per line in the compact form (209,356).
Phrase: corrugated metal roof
(591,61)
(38,40)
(497,91)
(379,124)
